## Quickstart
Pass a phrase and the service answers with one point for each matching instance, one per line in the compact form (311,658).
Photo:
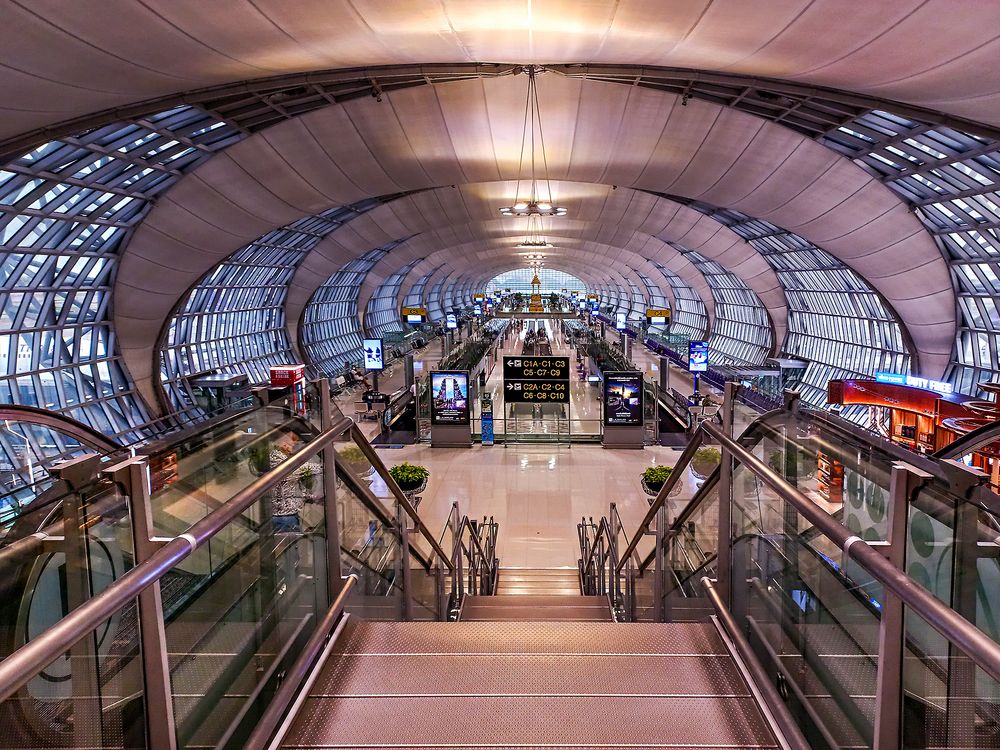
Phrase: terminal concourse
(537,373)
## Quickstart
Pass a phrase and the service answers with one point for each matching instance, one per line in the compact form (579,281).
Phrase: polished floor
(537,493)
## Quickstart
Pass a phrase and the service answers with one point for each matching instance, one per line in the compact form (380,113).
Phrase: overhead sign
(536,379)
(913,381)
(697,356)
(478,297)
(623,398)
(373,354)
(414,315)
(657,316)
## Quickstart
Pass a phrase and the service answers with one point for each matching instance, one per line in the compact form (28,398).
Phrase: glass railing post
(660,567)
(457,582)
(334,572)
(406,591)
(904,482)
(132,476)
(79,472)
(723,551)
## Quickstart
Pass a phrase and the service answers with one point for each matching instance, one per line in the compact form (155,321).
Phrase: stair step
(517,684)
(536,608)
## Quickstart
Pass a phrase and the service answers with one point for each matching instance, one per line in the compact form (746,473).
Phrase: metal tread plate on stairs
(537,600)
(475,721)
(531,638)
(527,674)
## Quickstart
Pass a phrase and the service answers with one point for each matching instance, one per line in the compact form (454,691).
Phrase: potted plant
(410,478)
(354,459)
(307,478)
(805,463)
(704,461)
(654,477)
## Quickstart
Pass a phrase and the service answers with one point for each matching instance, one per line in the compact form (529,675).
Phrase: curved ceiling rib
(916,51)
(620,219)
(461,132)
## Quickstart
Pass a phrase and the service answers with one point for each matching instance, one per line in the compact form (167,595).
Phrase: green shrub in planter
(656,476)
(408,476)
(307,477)
(705,460)
(353,457)
(806,463)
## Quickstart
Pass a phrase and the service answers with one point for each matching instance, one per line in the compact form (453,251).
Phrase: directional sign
(535,391)
(535,368)
(536,379)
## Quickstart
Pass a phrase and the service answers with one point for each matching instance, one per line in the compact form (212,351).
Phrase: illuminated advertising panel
(450,402)
(623,399)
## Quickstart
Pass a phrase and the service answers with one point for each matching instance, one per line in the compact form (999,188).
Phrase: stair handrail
(661,497)
(29,660)
(400,497)
(976,645)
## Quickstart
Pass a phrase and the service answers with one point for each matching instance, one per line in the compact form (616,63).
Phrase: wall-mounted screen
(450,402)
(372,349)
(697,356)
(415,319)
(623,399)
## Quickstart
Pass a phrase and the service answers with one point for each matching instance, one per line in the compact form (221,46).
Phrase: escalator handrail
(969,442)
(976,644)
(29,660)
(61,423)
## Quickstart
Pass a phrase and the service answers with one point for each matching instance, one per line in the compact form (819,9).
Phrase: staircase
(529,684)
(537,595)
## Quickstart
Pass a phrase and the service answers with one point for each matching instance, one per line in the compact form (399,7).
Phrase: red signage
(287,375)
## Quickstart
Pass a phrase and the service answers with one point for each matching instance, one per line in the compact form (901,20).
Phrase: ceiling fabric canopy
(597,133)
(60,60)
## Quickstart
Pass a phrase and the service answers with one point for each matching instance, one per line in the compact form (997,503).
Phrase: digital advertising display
(451,321)
(623,399)
(450,402)
(620,321)
(697,356)
(373,354)
(477,310)
(595,305)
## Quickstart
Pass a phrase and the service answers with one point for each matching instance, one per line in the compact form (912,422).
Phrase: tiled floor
(537,494)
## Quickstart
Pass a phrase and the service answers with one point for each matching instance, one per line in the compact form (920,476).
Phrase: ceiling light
(538,188)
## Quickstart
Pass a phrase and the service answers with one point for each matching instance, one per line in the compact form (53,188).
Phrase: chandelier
(534,238)
(538,201)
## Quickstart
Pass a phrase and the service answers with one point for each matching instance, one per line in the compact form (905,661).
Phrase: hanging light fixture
(534,238)
(538,200)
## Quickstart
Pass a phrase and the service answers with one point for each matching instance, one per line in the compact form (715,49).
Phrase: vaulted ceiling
(647,106)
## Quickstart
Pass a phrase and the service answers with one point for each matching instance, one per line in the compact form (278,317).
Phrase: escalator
(812,615)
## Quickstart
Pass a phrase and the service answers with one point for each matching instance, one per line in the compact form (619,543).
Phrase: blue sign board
(697,356)
(486,412)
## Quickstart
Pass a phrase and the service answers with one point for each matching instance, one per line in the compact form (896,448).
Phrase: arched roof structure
(822,159)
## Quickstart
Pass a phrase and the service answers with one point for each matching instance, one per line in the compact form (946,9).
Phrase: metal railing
(609,558)
(470,560)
